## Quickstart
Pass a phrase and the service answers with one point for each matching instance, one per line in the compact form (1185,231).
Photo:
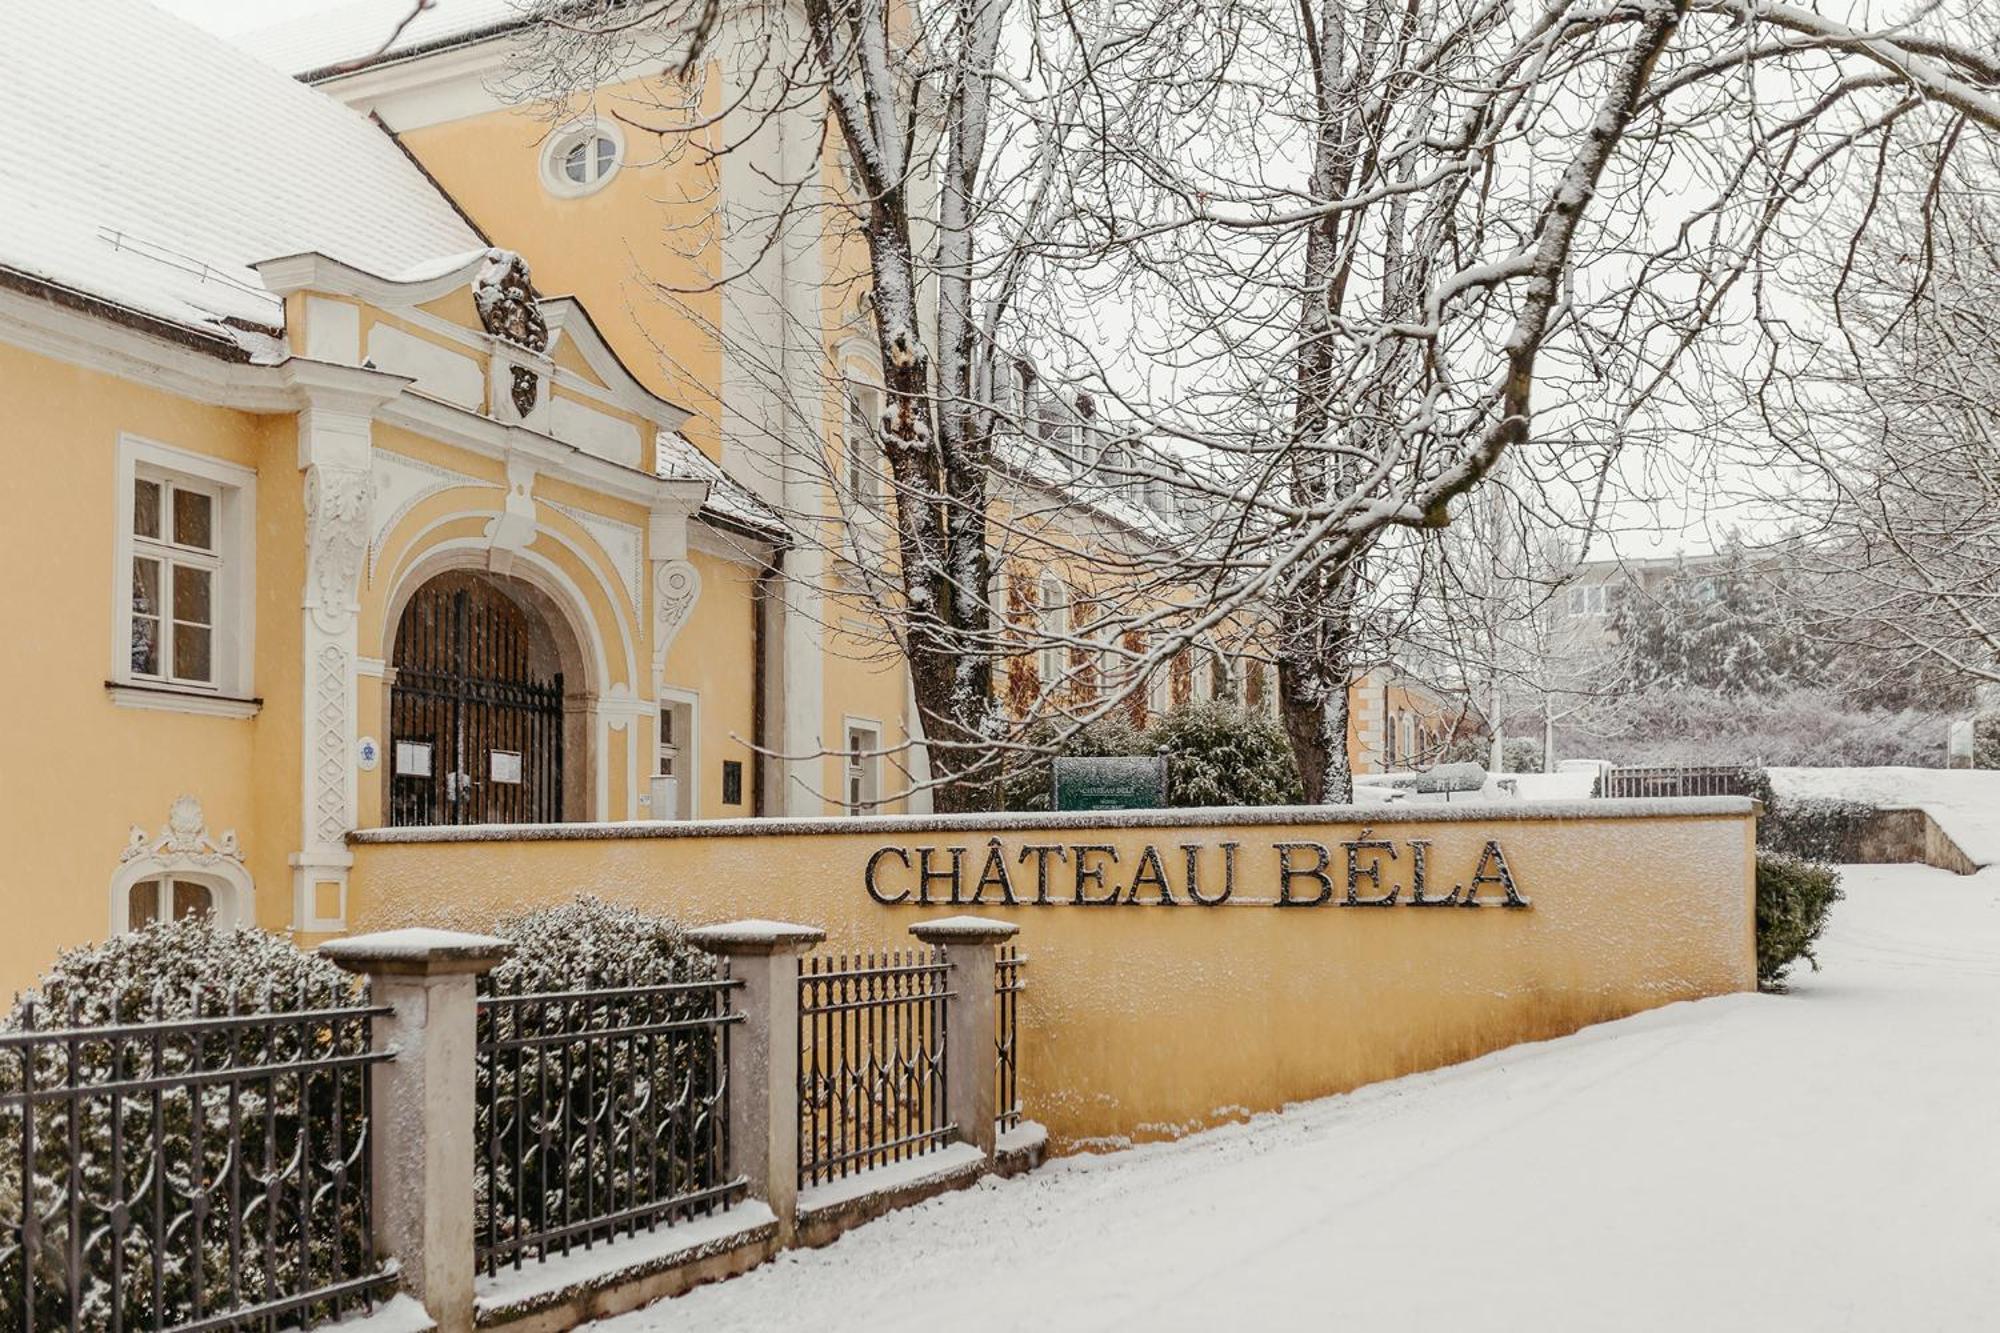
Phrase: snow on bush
(1221,755)
(1812,828)
(638,1099)
(587,942)
(166,972)
(1806,728)
(1794,899)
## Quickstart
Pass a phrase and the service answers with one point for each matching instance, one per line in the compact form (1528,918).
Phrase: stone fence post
(421,1144)
(967,944)
(764,1056)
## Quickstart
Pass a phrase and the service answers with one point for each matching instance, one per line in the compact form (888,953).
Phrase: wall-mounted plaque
(1136,782)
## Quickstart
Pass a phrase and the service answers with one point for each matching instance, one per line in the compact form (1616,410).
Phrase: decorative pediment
(184,841)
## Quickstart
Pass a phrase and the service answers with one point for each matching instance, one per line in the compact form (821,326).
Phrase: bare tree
(1896,498)
(1407,240)
(1326,262)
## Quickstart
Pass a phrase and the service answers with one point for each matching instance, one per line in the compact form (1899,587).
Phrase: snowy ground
(1820,1160)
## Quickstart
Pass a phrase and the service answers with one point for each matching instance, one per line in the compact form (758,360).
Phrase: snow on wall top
(195,161)
(359,32)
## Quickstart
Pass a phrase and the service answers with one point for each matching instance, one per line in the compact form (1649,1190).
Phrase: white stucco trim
(690,774)
(234,610)
(184,849)
(556,145)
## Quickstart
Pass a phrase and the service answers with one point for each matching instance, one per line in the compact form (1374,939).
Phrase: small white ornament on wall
(367,753)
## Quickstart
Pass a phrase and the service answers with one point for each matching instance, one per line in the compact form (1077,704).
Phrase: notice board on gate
(1135,782)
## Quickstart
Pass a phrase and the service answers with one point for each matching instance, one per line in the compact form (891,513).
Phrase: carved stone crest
(185,839)
(508,307)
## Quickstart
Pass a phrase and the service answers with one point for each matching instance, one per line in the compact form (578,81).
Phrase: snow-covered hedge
(1794,899)
(588,942)
(639,1096)
(172,971)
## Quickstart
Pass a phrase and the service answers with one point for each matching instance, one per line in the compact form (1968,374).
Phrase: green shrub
(1986,741)
(177,970)
(1811,828)
(587,942)
(1794,898)
(1217,754)
(1221,755)
(1519,754)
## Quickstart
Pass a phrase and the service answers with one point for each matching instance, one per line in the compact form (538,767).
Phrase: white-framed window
(1587,599)
(582,158)
(184,578)
(861,455)
(862,767)
(677,758)
(1054,618)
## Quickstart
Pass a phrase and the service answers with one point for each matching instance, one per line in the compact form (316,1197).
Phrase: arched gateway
(479,729)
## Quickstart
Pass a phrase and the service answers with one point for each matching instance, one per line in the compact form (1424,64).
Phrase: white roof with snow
(364,32)
(187,161)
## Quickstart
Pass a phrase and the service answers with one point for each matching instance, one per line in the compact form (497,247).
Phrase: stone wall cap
(1278,816)
(756,936)
(418,950)
(964,930)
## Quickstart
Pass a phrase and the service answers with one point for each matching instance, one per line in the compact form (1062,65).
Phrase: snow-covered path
(1827,1159)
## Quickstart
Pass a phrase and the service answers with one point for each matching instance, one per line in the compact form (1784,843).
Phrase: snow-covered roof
(187,162)
(363,32)
(728,498)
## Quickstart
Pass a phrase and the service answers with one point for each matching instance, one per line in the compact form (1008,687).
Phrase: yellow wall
(1145,1021)
(76,770)
(619,250)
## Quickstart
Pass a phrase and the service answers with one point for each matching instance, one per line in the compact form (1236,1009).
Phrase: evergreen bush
(659,1080)
(1794,898)
(1986,740)
(1519,754)
(1222,755)
(167,971)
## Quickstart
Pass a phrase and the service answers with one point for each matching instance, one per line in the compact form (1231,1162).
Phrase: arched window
(1054,628)
(582,158)
(182,871)
(861,454)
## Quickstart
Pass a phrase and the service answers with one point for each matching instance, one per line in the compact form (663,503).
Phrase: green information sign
(1137,782)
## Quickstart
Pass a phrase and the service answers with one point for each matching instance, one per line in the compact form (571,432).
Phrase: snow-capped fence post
(421,1106)
(970,1094)
(763,1075)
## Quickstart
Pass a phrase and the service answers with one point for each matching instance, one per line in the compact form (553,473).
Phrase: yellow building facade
(384,452)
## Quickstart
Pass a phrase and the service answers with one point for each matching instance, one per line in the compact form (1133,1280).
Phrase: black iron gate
(476,737)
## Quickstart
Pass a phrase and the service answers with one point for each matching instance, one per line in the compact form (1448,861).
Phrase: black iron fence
(203,1172)
(1008,983)
(600,1113)
(1679,780)
(872,1061)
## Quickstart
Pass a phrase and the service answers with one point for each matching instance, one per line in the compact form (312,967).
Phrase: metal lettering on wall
(1366,872)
